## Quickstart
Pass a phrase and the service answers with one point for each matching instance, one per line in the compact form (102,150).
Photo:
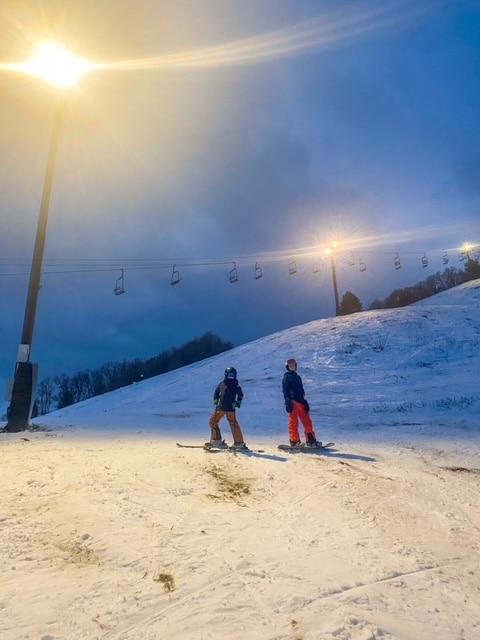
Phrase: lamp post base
(20,409)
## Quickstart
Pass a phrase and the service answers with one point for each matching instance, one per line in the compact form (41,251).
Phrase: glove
(306,405)
(238,404)
(288,406)
(216,402)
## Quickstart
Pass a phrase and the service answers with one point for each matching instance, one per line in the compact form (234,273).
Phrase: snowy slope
(108,531)
(415,365)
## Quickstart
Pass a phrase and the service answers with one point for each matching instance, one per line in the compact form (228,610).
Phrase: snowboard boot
(216,444)
(313,442)
(240,446)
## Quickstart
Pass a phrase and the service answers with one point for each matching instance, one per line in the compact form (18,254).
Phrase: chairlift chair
(233,275)
(258,272)
(424,260)
(292,268)
(119,285)
(175,276)
(351,260)
(316,267)
(445,258)
(396,262)
(362,265)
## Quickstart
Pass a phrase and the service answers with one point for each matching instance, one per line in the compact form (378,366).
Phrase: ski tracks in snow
(133,539)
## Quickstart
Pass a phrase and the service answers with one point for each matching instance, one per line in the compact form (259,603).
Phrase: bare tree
(45,396)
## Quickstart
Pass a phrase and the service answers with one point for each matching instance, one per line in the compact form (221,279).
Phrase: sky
(222,136)
(376,538)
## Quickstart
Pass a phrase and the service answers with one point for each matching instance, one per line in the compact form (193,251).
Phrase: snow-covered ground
(109,531)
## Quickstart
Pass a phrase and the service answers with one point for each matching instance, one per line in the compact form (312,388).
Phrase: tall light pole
(57,66)
(465,251)
(330,251)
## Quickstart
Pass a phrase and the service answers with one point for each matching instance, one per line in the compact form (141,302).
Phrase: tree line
(450,277)
(440,281)
(64,390)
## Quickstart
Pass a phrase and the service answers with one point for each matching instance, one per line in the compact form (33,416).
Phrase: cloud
(468,176)
(226,132)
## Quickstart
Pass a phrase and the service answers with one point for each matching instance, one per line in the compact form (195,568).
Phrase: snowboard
(205,447)
(305,449)
(191,446)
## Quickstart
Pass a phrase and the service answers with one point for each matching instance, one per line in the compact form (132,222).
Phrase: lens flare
(54,64)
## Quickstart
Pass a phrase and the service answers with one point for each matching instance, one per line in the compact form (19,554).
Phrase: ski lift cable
(167,262)
(97,265)
(263,256)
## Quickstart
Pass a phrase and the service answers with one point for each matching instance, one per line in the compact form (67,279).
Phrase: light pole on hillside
(57,66)
(465,252)
(330,251)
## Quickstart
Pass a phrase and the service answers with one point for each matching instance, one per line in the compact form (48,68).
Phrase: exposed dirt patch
(229,488)
(462,470)
(79,554)
(167,580)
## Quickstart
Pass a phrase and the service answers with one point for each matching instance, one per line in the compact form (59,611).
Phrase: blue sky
(225,134)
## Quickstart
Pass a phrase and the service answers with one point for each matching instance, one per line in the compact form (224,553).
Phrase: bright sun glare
(54,64)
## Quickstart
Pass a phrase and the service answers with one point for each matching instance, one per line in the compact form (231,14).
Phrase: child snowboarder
(227,397)
(297,407)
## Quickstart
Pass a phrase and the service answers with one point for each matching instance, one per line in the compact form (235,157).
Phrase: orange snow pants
(232,421)
(299,414)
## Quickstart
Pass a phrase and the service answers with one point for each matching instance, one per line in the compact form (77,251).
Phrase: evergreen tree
(350,303)
(472,269)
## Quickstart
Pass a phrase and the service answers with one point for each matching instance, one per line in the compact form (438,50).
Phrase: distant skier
(227,397)
(297,407)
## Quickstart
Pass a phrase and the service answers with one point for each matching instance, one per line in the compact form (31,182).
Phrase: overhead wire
(67,266)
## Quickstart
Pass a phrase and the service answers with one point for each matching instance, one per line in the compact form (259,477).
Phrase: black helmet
(230,372)
(291,364)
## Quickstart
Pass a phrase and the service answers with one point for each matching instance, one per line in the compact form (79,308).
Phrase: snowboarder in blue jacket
(297,407)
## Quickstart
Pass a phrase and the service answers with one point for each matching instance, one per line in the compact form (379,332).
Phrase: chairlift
(233,275)
(445,258)
(258,272)
(175,276)
(351,260)
(424,260)
(292,268)
(119,285)
(396,262)
(362,265)
(316,267)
